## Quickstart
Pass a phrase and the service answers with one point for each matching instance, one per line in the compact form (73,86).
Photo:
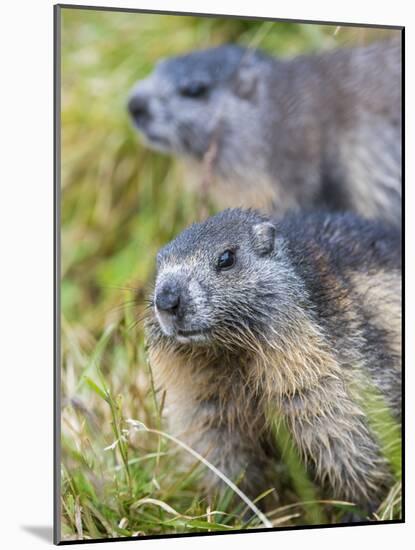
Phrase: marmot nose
(138,106)
(168,299)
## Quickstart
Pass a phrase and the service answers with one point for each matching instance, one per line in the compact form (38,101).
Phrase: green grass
(120,203)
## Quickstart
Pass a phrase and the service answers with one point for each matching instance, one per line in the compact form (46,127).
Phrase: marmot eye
(194,89)
(226,259)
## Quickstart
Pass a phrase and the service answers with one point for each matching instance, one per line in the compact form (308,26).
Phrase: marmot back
(254,319)
(315,131)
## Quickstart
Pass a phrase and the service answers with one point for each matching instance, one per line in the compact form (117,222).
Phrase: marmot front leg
(236,451)
(333,436)
(240,460)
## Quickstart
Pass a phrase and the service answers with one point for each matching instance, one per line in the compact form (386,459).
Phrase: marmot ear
(246,81)
(264,238)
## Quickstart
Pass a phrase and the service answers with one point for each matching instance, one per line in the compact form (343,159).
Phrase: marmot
(253,318)
(316,131)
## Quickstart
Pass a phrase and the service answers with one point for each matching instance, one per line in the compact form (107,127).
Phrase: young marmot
(253,319)
(314,131)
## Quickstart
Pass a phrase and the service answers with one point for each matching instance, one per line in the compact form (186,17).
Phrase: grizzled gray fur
(313,131)
(254,320)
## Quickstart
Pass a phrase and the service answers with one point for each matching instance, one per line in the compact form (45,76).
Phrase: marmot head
(224,281)
(192,100)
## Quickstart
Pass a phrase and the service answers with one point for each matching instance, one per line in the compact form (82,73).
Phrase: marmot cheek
(197,294)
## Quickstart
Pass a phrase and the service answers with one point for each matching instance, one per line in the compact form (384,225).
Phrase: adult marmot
(314,131)
(298,319)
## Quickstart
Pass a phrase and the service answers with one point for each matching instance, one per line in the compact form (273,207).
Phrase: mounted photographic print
(228,274)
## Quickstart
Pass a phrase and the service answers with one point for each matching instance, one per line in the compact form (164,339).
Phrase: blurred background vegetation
(119,204)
